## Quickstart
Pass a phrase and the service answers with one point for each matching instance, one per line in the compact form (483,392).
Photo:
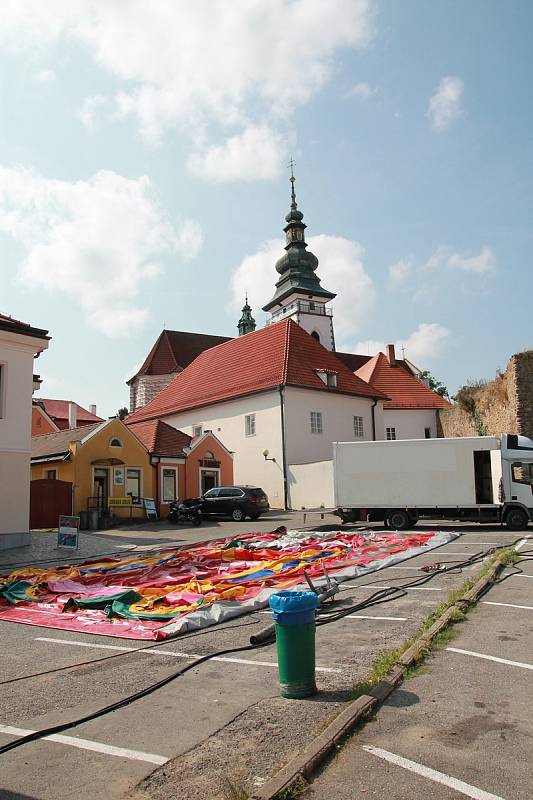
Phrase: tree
(122,413)
(434,384)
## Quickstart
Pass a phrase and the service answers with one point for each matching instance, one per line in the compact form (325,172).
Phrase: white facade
(411,423)
(311,315)
(227,420)
(16,387)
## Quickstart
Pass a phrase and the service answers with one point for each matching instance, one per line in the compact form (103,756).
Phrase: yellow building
(107,466)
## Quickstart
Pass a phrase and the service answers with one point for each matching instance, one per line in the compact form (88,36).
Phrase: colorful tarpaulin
(155,595)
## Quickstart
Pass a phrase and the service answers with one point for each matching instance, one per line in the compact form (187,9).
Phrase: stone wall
(504,405)
(145,387)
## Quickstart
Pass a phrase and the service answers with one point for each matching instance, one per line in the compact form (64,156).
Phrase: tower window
(316,336)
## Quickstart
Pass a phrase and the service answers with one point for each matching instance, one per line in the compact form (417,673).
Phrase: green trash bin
(294,622)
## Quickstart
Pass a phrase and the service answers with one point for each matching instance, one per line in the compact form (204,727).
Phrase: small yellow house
(107,465)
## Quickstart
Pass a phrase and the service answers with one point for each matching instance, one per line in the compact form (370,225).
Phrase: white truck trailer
(474,479)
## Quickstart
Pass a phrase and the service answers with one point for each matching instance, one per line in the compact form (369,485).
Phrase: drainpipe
(284,455)
(374,404)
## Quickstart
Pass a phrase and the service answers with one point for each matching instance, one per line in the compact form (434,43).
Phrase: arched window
(316,336)
(209,454)
(115,443)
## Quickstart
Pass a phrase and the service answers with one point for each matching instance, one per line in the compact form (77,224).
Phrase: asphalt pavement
(176,742)
(463,726)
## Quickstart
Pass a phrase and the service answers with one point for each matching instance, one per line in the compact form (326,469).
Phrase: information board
(68,532)
(150,507)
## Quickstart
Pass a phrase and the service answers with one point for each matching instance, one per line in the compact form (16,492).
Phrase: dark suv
(237,502)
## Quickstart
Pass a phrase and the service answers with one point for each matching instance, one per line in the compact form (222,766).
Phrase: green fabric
(126,596)
(121,608)
(16,592)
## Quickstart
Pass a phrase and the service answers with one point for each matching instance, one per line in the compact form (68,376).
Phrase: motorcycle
(190,511)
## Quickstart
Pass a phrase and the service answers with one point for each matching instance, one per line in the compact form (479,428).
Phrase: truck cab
(516,493)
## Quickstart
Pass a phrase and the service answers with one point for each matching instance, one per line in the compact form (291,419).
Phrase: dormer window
(328,377)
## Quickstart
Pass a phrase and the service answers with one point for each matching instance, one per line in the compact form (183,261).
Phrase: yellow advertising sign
(119,501)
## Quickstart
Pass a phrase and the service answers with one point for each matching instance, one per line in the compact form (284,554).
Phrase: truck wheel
(398,520)
(516,519)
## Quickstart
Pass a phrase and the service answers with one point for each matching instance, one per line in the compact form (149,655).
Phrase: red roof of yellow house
(280,354)
(403,389)
(159,438)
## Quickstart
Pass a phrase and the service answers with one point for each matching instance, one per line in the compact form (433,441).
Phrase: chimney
(92,409)
(391,355)
(72,414)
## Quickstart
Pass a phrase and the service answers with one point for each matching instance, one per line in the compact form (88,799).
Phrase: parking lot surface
(222,721)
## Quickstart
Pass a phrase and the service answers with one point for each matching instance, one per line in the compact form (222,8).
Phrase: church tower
(246,324)
(299,294)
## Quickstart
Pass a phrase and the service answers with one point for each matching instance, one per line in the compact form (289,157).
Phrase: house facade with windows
(20,344)
(183,466)
(289,399)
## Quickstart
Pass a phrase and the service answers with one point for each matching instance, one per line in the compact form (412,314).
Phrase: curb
(306,763)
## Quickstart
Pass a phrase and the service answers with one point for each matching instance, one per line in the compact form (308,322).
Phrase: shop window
(133,484)
(169,485)
(115,443)
(391,433)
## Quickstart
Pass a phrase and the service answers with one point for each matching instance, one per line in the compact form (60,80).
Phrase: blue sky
(143,177)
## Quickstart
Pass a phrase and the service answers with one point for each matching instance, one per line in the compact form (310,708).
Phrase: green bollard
(294,621)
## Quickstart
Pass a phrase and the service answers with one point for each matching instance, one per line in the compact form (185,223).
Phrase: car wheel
(516,519)
(398,520)
(237,515)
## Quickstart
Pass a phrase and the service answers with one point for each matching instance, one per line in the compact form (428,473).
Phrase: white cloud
(445,104)
(426,342)
(340,270)
(192,65)
(400,271)
(257,152)
(361,90)
(484,262)
(90,108)
(97,241)
(44,76)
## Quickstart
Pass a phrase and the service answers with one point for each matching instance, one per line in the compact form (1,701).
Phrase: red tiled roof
(175,350)
(352,360)
(58,409)
(280,354)
(160,439)
(403,389)
(8,323)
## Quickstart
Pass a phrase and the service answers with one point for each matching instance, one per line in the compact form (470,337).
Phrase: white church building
(279,396)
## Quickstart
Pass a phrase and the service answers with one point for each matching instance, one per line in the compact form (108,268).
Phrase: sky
(144,180)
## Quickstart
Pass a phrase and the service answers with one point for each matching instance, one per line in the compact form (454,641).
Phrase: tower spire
(246,323)
(292,180)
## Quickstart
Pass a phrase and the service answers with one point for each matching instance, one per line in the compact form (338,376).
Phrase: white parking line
(521,576)
(88,744)
(524,541)
(506,605)
(377,586)
(490,658)
(432,774)
(172,653)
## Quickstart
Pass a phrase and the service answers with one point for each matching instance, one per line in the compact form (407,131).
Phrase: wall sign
(68,532)
(119,501)
(118,476)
